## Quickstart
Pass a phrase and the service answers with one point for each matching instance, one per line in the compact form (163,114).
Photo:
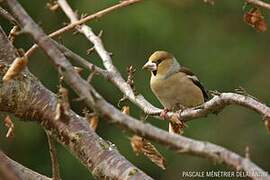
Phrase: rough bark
(27,98)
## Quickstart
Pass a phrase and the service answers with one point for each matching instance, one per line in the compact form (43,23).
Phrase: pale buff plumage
(174,85)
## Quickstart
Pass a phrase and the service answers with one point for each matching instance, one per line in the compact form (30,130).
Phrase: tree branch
(10,169)
(216,104)
(95,101)
(54,160)
(97,15)
(115,76)
(26,97)
(7,16)
(259,3)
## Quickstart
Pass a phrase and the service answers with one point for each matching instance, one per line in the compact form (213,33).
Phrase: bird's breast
(177,89)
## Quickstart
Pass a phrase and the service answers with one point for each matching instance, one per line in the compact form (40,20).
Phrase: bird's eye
(159,61)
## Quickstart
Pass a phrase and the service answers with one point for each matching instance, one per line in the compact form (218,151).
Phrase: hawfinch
(175,86)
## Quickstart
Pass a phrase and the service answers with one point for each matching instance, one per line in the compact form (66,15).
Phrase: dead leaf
(247,152)
(267,123)
(9,124)
(53,6)
(126,110)
(211,2)
(94,122)
(13,33)
(62,107)
(141,145)
(255,19)
(57,111)
(79,70)
(176,125)
(16,67)
(92,118)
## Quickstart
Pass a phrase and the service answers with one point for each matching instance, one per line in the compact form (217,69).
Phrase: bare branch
(259,3)
(10,169)
(95,101)
(219,102)
(97,15)
(54,160)
(216,104)
(127,90)
(123,85)
(77,135)
(7,16)
(115,76)
(83,62)
(182,144)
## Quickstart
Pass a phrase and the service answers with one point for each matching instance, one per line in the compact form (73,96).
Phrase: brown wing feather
(195,81)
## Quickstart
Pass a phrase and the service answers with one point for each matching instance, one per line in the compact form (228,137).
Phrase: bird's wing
(195,80)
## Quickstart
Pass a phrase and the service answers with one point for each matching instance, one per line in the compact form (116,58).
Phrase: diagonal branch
(54,160)
(95,101)
(88,18)
(26,97)
(7,16)
(216,104)
(115,76)
(10,169)
(259,3)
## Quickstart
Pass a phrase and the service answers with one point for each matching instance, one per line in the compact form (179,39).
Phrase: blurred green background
(211,40)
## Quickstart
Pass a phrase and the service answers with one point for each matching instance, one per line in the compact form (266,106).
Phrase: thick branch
(182,144)
(216,104)
(26,97)
(95,101)
(10,169)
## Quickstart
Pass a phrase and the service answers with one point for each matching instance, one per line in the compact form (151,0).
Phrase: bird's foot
(199,107)
(164,114)
(179,107)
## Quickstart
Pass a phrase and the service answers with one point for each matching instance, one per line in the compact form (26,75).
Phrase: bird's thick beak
(150,66)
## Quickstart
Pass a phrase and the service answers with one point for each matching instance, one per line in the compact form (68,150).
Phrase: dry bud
(126,110)
(9,124)
(141,145)
(16,67)
(94,122)
(255,19)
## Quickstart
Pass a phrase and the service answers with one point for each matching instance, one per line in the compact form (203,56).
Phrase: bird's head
(161,63)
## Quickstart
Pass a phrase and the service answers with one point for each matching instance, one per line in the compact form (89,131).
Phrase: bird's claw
(164,114)
(199,107)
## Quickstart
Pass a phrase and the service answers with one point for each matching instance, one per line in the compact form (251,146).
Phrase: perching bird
(175,86)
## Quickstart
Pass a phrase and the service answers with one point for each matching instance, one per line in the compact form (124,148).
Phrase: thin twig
(216,104)
(10,169)
(220,100)
(138,127)
(83,62)
(259,3)
(83,89)
(95,101)
(115,76)
(7,16)
(97,15)
(54,160)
